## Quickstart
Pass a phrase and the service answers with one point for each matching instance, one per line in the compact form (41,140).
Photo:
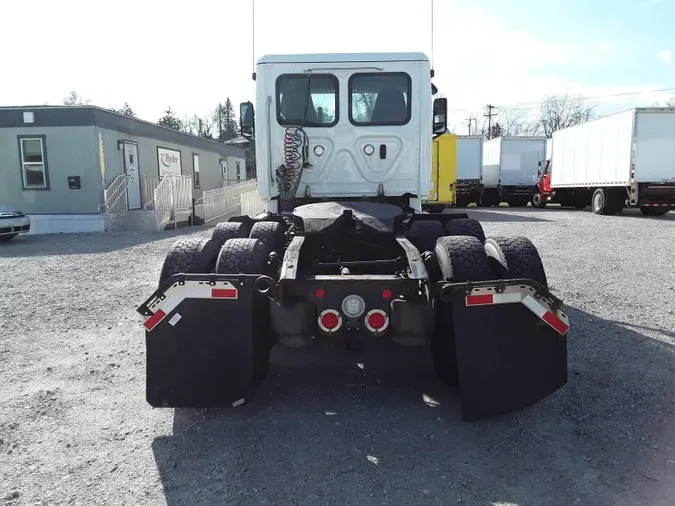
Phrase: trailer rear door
(655,146)
(520,161)
(469,157)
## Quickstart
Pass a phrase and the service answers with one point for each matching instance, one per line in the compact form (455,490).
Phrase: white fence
(172,194)
(251,203)
(223,201)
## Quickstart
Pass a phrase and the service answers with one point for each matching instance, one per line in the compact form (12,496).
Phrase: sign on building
(169,161)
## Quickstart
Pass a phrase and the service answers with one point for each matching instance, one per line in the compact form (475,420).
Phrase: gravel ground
(75,428)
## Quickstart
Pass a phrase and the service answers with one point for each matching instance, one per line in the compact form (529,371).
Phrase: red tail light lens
(330,320)
(377,320)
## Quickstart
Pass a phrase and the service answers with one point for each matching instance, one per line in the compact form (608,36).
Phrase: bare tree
(206,128)
(561,111)
(514,121)
(363,104)
(669,103)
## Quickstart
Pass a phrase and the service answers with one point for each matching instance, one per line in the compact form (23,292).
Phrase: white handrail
(114,199)
(173,193)
(222,201)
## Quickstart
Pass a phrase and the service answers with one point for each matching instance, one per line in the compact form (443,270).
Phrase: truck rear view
(510,167)
(469,169)
(624,160)
(344,254)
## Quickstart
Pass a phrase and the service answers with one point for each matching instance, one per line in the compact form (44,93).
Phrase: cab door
(546,180)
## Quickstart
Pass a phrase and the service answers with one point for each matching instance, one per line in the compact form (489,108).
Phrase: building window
(238,171)
(195,165)
(379,99)
(296,107)
(33,156)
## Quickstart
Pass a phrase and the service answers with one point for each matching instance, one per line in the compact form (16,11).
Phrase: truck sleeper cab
(343,253)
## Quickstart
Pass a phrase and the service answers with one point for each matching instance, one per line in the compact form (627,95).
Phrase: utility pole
(469,120)
(489,116)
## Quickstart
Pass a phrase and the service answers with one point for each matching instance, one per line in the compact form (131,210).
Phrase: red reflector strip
(152,322)
(224,293)
(477,300)
(560,326)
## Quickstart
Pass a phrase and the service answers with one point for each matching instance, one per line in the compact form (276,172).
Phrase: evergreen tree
(170,120)
(230,121)
(125,110)
(225,121)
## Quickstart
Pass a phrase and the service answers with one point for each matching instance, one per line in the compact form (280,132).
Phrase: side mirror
(539,173)
(246,119)
(440,115)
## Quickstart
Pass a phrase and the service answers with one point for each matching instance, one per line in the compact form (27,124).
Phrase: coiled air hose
(296,154)
(289,174)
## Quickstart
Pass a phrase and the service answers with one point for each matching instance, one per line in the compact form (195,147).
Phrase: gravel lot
(75,428)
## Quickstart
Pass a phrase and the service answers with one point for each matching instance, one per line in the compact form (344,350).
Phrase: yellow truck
(443,174)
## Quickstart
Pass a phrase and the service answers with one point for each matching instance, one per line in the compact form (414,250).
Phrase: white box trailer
(510,169)
(469,169)
(622,160)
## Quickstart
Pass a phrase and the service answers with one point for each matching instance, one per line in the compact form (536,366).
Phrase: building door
(131,169)
(223,171)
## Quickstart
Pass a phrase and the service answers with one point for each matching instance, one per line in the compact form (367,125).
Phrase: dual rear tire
(425,233)
(235,247)
(465,258)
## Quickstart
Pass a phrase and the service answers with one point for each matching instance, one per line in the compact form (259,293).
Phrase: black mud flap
(511,346)
(204,336)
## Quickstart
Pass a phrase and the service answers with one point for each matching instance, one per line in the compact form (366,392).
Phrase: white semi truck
(344,254)
(469,169)
(510,166)
(624,160)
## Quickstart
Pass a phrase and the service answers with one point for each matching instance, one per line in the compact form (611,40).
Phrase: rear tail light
(377,321)
(330,320)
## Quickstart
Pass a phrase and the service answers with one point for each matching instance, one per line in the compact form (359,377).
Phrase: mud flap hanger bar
(202,286)
(528,292)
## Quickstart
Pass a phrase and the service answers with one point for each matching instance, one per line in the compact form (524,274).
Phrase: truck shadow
(89,243)
(505,214)
(375,427)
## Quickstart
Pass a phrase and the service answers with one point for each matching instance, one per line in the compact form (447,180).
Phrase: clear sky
(190,54)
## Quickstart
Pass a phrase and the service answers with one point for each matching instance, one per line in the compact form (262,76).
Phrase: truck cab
(347,126)
(543,189)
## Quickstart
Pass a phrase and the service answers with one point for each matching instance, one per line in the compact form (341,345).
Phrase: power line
(535,104)
(599,97)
